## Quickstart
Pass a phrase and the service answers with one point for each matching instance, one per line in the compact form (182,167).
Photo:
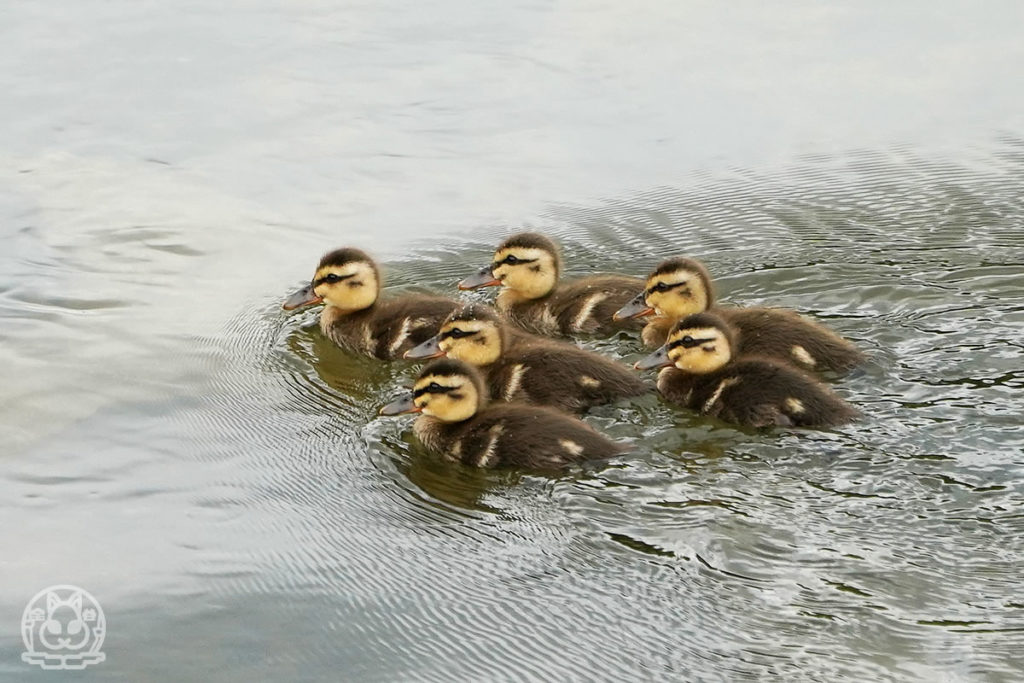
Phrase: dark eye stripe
(689,342)
(516,261)
(332,278)
(654,289)
(458,334)
(432,388)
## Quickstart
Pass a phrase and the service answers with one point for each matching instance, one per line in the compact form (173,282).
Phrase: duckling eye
(660,287)
(511,260)
(332,278)
(457,333)
(435,388)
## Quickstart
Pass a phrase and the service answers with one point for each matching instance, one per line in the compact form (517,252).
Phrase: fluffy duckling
(680,287)
(457,422)
(757,392)
(348,282)
(527,267)
(521,367)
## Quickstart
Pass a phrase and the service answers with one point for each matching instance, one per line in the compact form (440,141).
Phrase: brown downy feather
(389,328)
(583,306)
(499,434)
(348,282)
(776,333)
(779,334)
(548,372)
(749,390)
(757,392)
(561,375)
(513,435)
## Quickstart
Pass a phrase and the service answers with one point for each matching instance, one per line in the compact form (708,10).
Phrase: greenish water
(214,473)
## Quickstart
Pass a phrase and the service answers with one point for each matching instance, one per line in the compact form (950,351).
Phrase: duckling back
(757,392)
(790,337)
(561,375)
(584,306)
(515,435)
(778,334)
(389,328)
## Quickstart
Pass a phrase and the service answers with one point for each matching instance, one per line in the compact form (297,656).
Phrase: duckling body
(387,329)
(528,266)
(583,306)
(775,333)
(516,435)
(750,391)
(522,367)
(756,392)
(354,318)
(458,423)
(680,287)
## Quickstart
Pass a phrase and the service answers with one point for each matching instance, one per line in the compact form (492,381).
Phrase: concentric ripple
(887,550)
(305,535)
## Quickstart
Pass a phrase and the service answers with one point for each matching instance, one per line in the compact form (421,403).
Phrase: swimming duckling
(527,267)
(680,287)
(521,367)
(348,282)
(458,423)
(707,377)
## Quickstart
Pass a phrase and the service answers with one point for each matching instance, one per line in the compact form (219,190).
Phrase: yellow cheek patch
(708,356)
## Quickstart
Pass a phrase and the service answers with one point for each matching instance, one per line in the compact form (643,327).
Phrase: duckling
(527,266)
(711,378)
(458,422)
(522,367)
(681,286)
(348,282)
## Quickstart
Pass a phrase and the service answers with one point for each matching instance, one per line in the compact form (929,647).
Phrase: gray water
(214,472)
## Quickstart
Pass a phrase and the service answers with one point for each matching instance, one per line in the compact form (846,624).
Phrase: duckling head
(474,334)
(527,263)
(677,288)
(698,344)
(347,279)
(447,389)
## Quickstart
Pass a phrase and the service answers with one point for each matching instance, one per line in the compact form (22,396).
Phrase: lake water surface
(214,473)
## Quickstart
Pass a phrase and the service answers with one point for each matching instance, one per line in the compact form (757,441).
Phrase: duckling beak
(636,308)
(400,406)
(428,349)
(658,359)
(303,297)
(482,278)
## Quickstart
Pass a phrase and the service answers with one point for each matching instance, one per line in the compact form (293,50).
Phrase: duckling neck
(437,435)
(677,386)
(332,314)
(511,297)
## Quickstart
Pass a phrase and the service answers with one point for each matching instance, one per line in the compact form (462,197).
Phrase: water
(215,473)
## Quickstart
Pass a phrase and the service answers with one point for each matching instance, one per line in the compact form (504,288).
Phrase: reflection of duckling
(348,282)
(458,423)
(756,392)
(680,287)
(527,266)
(522,367)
